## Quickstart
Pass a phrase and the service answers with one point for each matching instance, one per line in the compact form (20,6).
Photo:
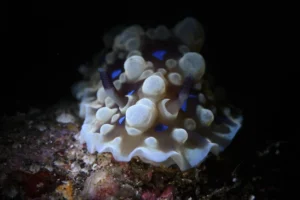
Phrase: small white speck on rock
(65,118)
(39,185)
(252,197)
(75,168)
(49,168)
(34,168)
(59,163)
(71,154)
(89,159)
(41,127)
(94,167)
(85,170)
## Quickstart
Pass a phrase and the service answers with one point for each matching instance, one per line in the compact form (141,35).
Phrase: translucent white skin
(102,133)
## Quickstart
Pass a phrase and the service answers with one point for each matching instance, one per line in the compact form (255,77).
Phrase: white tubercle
(134,67)
(146,74)
(162,71)
(115,117)
(164,113)
(118,44)
(110,58)
(151,33)
(183,49)
(149,64)
(189,124)
(82,109)
(122,78)
(101,95)
(132,131)
(121,55)
(205,116)
(117,84)
(133,44)
(192,63)
(189,31)
(179,135)
(106,128)
(171,64)
(146,102)
(151,142)
(121,40)
(130,102)
(141,115)
(134,53)
(116,142)
(175,78)
(198,86)
(162,32)
(109,102)
(95,104)
(154,86)
(104,114)
(138,115)
(201,98)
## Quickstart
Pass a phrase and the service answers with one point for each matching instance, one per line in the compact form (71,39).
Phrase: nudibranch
(151,98)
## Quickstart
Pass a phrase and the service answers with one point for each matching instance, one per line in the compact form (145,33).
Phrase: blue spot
(159,54)
(161,127)
(131,92)
(121,120)
(116,73)
(184,106)
(193,96)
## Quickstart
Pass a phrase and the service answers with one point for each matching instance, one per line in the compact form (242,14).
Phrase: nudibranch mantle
(151,99)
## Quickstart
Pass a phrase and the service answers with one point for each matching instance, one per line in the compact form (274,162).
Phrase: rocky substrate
(41,159)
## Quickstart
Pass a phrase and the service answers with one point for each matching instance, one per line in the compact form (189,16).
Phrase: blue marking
(121,120)
(193,96)
(131,92)
(116,73)
(184,106)
(161,127)
(159,54)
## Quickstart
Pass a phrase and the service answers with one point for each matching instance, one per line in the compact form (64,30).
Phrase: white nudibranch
(155,103)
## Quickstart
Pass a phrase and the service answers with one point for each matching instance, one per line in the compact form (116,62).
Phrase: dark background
(44,43)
